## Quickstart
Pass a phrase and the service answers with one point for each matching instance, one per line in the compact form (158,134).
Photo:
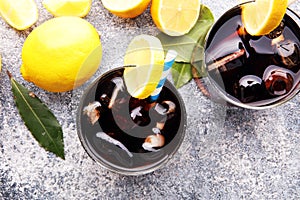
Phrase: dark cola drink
(254,70)
(129,135)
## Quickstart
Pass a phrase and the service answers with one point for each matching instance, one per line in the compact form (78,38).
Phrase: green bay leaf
(205,21)
(198,62)
(39,119)
(181,73)
(183,45)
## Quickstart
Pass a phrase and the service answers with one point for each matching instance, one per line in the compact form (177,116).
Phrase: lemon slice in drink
(263,16)
(146,53)
(20,14)
(175,17)
(79,8)
(126,8)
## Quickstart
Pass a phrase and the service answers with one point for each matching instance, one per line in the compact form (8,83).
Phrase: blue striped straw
(170,59)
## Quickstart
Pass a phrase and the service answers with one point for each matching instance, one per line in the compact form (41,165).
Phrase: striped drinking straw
(170,59)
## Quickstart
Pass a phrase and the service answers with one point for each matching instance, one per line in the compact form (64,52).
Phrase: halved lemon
(79,8)
(20,14)
(263,16)
(175,17)
(147,54)
(126,8)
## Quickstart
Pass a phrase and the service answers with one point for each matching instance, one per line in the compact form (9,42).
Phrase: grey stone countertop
(228,153)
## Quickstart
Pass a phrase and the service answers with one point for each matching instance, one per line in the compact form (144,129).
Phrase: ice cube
(288,53)
(278,80)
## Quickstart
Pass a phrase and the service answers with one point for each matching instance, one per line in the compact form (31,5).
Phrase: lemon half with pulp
(175,17)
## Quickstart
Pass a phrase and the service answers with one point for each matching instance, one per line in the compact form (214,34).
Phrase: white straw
(170,59)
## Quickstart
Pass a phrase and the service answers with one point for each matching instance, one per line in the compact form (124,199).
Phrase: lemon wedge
(126,8)
(20,14)
(175,17)
(146,53)
(263,16)
(79,8)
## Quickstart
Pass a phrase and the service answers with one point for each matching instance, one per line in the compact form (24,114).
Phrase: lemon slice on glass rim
(146,53)
(20,14)
(260,17)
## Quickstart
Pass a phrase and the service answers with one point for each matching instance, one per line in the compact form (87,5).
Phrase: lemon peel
(126,8)
(53,55)
(58,8)
(20,14)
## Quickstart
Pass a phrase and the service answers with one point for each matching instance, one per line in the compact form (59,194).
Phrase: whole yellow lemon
(61,54)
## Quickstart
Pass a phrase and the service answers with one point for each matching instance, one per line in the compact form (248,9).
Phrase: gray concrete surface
(228,153)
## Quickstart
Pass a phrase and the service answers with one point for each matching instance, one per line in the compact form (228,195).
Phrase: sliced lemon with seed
(263,16)
(126,8)
(175,17)
(146,53)
(20,14)
(79,8)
